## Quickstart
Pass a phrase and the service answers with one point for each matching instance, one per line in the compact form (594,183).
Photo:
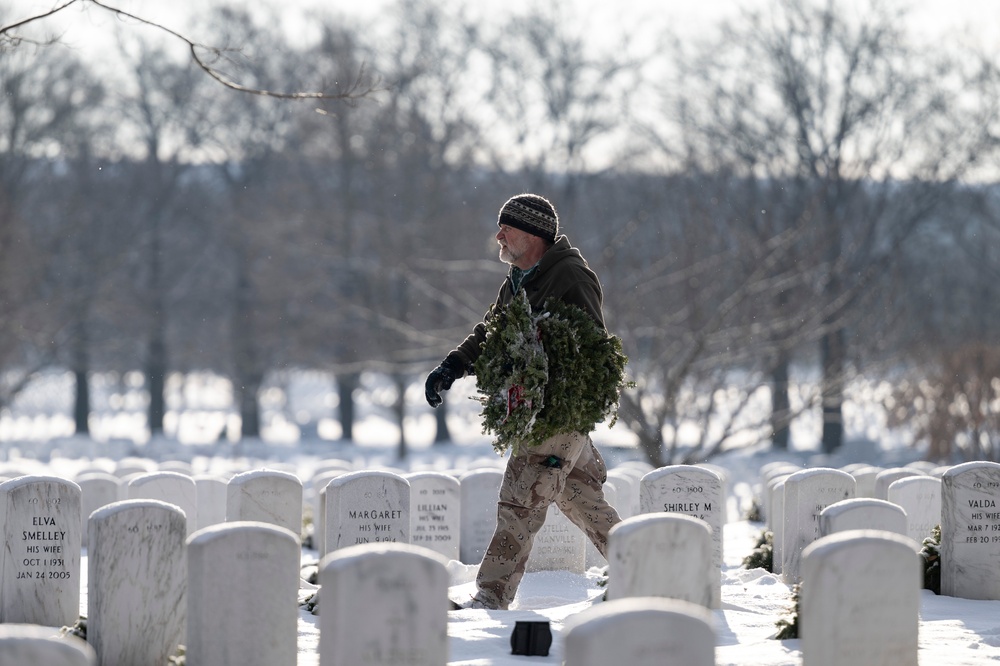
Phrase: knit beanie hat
(531,213)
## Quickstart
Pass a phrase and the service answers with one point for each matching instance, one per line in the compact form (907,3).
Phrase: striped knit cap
(531,213)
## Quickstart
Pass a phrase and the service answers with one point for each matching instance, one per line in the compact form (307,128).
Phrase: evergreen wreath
(546,372)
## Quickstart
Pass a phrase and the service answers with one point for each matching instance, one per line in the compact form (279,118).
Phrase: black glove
(441,379)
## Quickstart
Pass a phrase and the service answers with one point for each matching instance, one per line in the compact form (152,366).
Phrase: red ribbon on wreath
(515,398)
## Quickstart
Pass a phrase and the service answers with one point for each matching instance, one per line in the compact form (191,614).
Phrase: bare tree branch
(361,86)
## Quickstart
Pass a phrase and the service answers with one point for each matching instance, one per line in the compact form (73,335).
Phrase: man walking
(566,468)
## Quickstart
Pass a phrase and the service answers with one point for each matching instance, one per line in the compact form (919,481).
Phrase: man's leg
(531,482)
(582,498)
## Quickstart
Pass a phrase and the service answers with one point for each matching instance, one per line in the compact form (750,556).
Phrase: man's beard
(510,253)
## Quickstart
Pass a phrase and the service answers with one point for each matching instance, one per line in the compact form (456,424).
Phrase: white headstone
(862,513)
(480,493)
(210,491)
(243,582)
(885,478)
(920,497)
(768,481)
(860,599)
(641,631)
(635,473)
(970,531)
(97,489)
(778,523)
(435,512)
(383,605)
(806,494)
(367,507)
(40,553)
(865,480)
(31,644)
(559,545)
(131,465)
(171,487)
(662,555)
(179,466)
(318,486)
(691,490)
(266,496)
(626,491)
(593,557)
(137,582)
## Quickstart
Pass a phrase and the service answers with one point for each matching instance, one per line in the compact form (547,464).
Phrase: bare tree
(42,109)
(214,61)
(835,104)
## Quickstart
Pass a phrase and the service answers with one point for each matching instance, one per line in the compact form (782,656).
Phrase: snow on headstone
(266,496)
(559,545)
(691,491)
(435,512)
(860,599)
(210,491)
(663,555)
(920,497)
(970,531)
(137,581)
(40,554)
(242,601)
(367,507)
(885,478)
(640,632)
(171,487)
(42,646)
(480,492)
(862,513)
(807,493)
(383,604)
(97,489)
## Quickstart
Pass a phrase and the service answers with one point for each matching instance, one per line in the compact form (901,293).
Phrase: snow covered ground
(953,631)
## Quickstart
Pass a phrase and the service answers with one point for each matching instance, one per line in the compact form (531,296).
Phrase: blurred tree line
(798,198)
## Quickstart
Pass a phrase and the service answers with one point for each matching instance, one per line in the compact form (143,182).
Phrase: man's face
(513,243)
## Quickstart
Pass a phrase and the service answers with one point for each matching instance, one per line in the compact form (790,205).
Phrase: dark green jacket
(563,273)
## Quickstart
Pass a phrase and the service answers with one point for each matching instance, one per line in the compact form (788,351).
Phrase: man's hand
(440,379)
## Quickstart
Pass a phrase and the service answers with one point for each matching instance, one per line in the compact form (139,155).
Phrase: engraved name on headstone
(40,556)
(367,507)
(807,493)
(970,531)
(435,512)
(559,545)
(691,491)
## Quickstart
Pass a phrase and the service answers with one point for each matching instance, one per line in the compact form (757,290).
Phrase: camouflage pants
(530,484)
